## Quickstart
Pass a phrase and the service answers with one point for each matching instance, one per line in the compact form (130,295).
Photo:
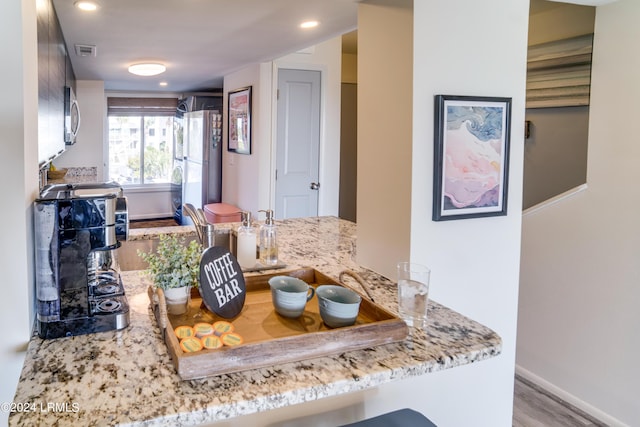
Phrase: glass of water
(413,293)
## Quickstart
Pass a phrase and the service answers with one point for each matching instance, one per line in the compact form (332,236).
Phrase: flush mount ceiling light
(86,5)
(147,69)
(309,24)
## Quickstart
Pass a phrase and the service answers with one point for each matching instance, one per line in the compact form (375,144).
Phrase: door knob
(315,185)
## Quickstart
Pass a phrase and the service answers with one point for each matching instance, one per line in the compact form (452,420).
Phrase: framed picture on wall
(239,114)
(471,157)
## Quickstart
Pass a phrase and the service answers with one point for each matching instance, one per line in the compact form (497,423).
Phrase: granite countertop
(127,377)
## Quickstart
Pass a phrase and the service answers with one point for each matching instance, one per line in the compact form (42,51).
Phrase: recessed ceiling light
(147,69)
(87,5)
(309,24)
(163,84)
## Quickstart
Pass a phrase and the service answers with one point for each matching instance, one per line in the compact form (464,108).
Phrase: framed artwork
(239,114)
(471,156)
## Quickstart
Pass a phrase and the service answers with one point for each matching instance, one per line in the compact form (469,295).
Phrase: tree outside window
(140,153)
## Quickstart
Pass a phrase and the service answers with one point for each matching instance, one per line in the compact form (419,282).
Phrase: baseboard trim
(552,389)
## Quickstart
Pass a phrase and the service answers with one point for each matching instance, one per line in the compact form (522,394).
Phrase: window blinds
(141,106)
(559,73)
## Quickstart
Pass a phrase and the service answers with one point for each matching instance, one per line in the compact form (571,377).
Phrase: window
(140,151)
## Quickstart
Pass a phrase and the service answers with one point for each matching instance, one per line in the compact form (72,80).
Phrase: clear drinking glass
(413,293)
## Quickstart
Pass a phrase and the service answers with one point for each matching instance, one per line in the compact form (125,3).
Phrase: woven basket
(56,174)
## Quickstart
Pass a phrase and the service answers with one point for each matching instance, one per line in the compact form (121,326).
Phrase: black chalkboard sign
(222,284)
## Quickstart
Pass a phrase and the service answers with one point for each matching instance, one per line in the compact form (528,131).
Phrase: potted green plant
(175,268)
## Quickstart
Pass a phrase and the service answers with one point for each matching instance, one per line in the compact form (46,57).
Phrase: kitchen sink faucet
(204,229)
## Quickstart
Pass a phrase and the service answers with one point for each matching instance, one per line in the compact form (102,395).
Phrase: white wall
(244,183)
(385,117)
(18,136)
(88,149)
(475,263)
(579,316)
(460,47)
(248,181)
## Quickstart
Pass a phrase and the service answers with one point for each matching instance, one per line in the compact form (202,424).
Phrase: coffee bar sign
(222,285)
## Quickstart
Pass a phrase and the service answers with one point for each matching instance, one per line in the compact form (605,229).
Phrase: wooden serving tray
(270,339)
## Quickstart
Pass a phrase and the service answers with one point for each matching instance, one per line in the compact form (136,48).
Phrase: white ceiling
(199,41)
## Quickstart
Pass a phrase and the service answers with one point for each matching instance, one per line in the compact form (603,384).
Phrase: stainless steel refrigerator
(202,159)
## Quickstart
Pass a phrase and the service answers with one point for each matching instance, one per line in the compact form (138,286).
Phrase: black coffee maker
(78,228)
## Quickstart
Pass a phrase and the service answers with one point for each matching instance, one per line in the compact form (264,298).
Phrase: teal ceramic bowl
(290,295)
(338,305)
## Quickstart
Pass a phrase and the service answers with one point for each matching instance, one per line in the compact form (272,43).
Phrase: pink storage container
(222,212)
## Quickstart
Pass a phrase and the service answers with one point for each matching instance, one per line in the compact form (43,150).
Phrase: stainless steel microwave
(71,116)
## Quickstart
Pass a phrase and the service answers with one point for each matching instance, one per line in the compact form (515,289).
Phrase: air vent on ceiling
(85,50)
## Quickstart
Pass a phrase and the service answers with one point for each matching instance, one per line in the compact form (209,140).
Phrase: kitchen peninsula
(127,377)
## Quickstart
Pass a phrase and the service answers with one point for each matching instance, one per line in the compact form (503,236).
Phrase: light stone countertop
(127,377)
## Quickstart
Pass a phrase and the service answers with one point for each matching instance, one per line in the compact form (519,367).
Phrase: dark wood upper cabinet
(54,73)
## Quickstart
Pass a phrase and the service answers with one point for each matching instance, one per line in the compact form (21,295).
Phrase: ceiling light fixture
(147,69)
(86,5)
(309,24)
(163,84)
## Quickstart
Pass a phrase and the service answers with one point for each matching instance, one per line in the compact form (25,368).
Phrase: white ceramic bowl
(338,305)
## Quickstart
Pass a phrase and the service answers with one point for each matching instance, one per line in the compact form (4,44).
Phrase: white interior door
(298,144)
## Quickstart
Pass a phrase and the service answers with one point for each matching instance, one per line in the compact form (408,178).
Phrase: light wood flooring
(534,407)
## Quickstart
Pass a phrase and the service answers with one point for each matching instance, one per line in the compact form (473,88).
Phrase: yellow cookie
(184,331)
(211,341)
(232,339)
(191,344)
